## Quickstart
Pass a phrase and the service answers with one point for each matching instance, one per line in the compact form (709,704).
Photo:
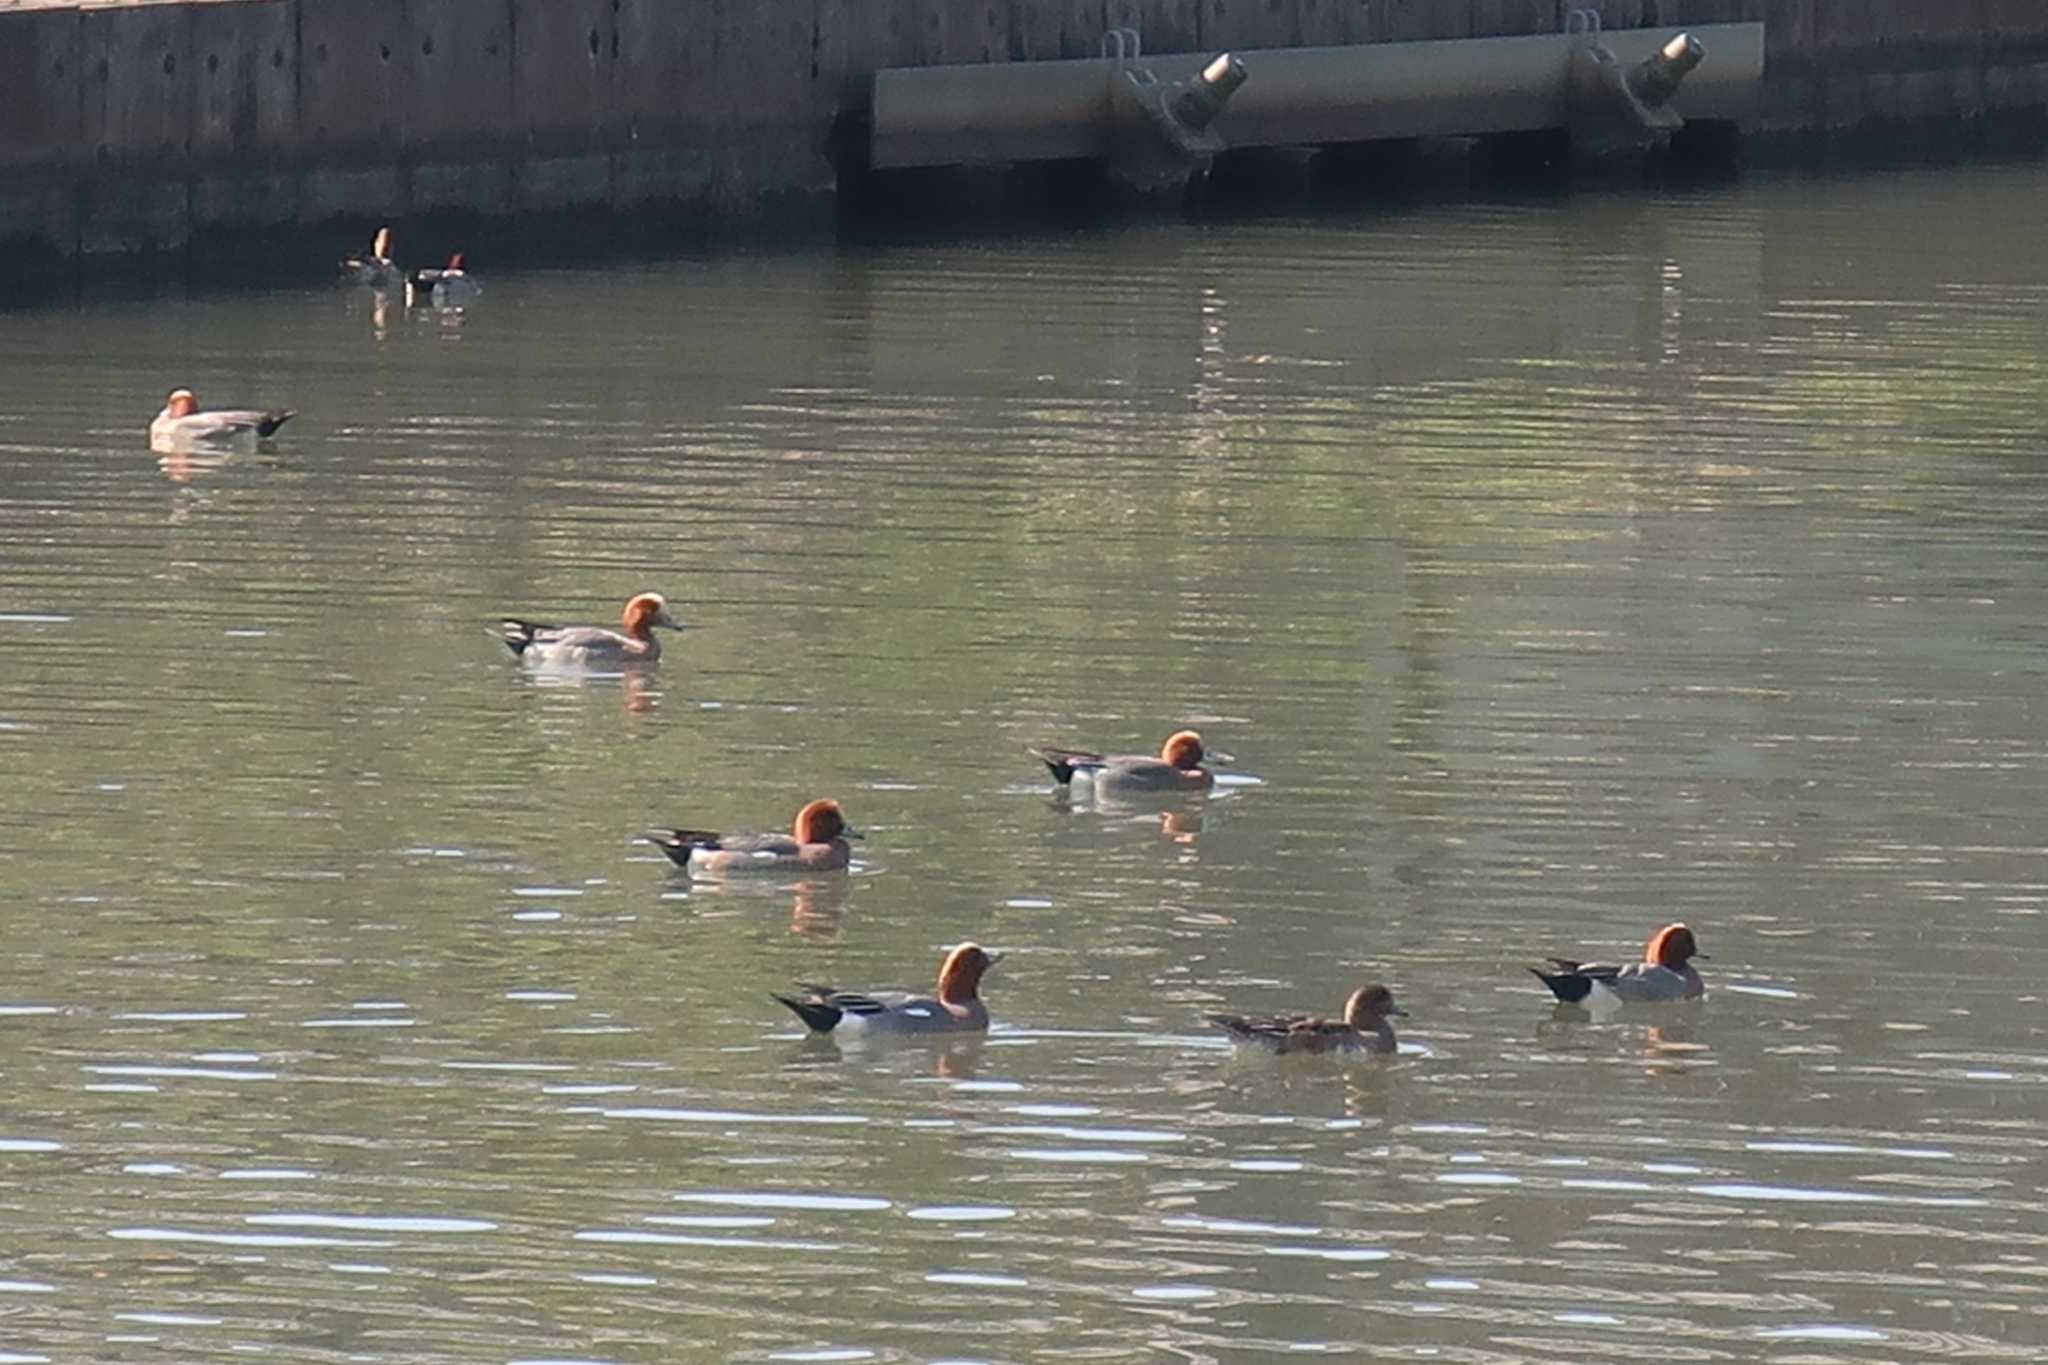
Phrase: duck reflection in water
(1669,1048)
(1362,1087)
(946,1056)
(639,689)
(183,466)
(1179,819)
(817,909)
(817,905)
(639,692)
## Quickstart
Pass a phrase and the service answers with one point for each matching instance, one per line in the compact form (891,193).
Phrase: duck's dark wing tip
(273,420)
(1062,762)
(518,634)
(679,843)
(820,1016)
(1568,986)
(1236,1025)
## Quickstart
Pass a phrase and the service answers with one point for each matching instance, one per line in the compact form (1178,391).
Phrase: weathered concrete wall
(130,126)
(126,126)
(1844,66)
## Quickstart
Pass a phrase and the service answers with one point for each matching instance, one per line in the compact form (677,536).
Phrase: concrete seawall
(139,125)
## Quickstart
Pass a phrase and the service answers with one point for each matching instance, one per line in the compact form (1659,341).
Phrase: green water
(1551,570)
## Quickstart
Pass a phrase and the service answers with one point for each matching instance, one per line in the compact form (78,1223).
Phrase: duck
(1665,973)
(1177,769)
(816,843)
(452,286)
(1364,1027)
(377,269)
(181,426)
(956,1008)
(594,644)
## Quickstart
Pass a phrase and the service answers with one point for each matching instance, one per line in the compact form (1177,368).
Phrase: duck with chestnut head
(182,427)
(1666,973)
(955,1008)
(817,842)
(450,287)
(1177,768)
(593,646)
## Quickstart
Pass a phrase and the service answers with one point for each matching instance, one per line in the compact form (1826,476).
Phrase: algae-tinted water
(1556,569)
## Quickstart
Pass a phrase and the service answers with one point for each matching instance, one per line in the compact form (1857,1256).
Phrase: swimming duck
(594,644)
(1364,1027)
(377,270)
(956,1009)
(1665,973)
(816,843)
(181,426)
(449,287)
(1177,769)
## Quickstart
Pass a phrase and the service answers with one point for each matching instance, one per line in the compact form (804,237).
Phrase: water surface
(1551,568)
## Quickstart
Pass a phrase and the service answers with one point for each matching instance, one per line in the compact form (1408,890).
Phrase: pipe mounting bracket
(1616,108)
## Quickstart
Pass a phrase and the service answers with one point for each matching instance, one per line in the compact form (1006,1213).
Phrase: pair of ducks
(1666,973)
(449,287)
(1176,768)
(818,838)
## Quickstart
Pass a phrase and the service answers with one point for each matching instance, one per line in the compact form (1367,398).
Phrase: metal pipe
(1198,105)
(1657,78)
(1029,111)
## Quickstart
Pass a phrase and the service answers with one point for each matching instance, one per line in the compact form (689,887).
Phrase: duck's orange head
(1369,1005)
(960,975)
(646,611)
(1183,749)
(381,248)
(821,822)
(1672,946)
(181,403)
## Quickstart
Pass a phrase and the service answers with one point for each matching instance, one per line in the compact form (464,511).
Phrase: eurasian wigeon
(376,270)
(956,1009)
(816,843)
(1665,973)
(452,286)
(1178,768)
(181,426)
(594,645)
(1364,1027)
